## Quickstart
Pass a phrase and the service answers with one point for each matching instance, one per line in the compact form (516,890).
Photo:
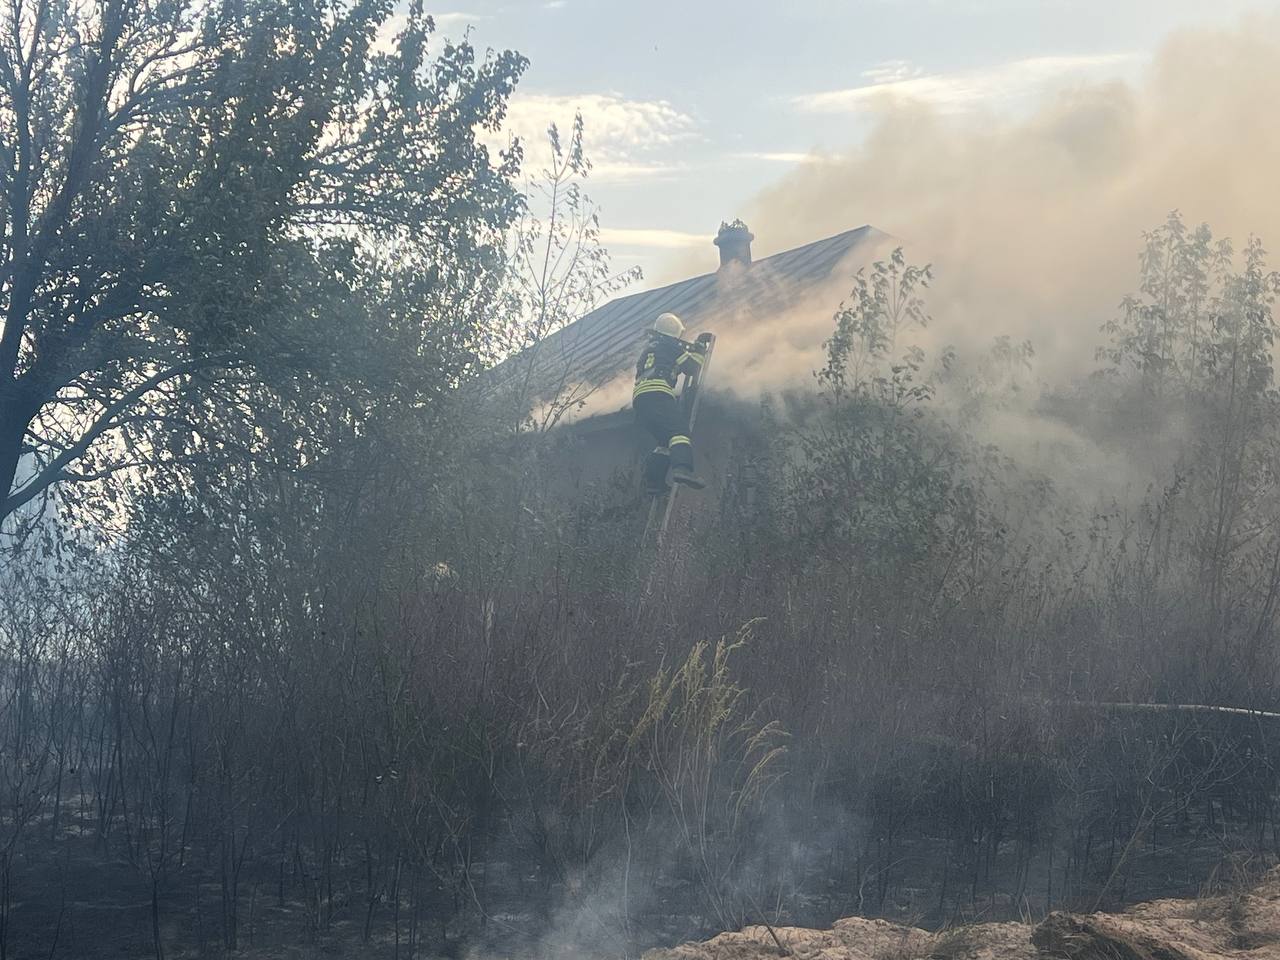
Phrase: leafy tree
(1198,339)
(557,271)
(883,304)
(874,474)
(1162,330)
(211,210)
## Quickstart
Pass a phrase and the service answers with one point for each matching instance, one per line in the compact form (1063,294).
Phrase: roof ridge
(601,339)
(648,291)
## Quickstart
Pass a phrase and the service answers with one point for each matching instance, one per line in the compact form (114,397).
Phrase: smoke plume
(1034,226)
(1034,223)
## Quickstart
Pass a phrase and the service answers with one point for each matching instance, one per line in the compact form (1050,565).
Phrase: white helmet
(669,324)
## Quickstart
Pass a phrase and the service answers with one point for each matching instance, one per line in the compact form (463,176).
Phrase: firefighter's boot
(655,473)
(685,475)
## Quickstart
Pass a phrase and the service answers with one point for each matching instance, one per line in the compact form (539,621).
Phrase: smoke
(756,352)
(1034,226)
(1034,223)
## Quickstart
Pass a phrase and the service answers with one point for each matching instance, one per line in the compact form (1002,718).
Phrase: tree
(1198,342)
(204,205)
(557,272)
(874,477)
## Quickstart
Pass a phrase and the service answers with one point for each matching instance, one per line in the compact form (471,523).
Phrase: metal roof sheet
(599,345)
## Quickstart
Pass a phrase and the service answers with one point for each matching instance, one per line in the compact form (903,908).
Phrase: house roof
(598,346)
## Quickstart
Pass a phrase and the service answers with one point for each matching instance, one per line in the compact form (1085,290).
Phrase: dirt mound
(1243,925)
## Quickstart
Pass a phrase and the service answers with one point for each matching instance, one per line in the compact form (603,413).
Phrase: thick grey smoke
(1034,224)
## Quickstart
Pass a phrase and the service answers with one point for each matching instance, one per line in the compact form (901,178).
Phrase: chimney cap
(736,230)
(734,240)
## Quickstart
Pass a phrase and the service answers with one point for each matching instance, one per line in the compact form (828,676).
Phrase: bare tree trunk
(395,908)
(5,880)
(230,935)
(12,426)
(155,917)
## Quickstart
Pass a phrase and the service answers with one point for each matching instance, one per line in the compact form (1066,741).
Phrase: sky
(695,108)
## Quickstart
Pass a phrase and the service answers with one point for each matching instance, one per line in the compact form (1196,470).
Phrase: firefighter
(665,358)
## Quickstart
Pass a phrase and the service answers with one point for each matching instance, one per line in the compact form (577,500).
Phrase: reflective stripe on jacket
(663,361)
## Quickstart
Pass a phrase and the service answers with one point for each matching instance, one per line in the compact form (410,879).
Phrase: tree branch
(106,421)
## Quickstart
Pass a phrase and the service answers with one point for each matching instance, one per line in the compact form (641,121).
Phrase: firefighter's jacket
(664,359)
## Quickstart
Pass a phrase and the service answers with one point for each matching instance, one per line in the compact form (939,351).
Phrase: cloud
(456,23)
(385,39)
(897,81)
(625,139)
(626,171)
(788,157)
(892,71)
(653,238)
(457,20)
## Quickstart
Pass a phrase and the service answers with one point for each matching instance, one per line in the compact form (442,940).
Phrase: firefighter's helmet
(669,324)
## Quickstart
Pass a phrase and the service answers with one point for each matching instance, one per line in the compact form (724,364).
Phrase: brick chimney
(734,241)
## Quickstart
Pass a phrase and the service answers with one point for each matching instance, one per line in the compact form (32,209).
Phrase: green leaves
(876,483)
(883,305)
(279,203)
(557,271)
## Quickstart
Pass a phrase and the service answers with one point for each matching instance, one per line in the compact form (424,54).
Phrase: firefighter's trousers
(662,415)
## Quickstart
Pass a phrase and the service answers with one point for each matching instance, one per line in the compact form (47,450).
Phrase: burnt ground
(77,897)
